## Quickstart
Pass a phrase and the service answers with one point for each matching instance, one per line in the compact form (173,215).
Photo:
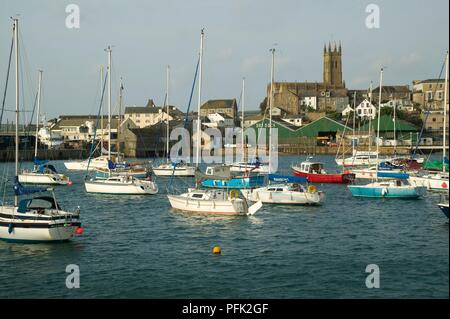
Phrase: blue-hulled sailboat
(395,188)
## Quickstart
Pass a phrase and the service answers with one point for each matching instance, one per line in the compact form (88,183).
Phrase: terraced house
(151,114)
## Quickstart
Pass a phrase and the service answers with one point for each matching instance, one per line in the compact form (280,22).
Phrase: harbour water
(136,247)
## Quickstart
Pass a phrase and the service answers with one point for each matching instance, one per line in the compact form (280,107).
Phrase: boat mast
(354,123)
(378,125)
(108,50)
(370,121)
(119,120)
(197,159)
(16,56)
(445,112)
(395,131)
(168,111)
(38,113)
(272,69)
(242,121)
(101,112)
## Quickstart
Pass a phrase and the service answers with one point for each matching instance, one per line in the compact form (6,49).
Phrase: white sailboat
(169,168)
(395,188)
(437,181)
(116,183)
(211,201)
(38,219)
(42,173)
(286,190)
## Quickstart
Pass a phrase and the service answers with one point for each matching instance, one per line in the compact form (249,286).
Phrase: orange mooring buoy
(217,250)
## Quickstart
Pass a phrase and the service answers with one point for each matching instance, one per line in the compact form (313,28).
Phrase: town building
(391,92)
(330,95)
(429,94)
(151,114)
(224,106)
(366,110)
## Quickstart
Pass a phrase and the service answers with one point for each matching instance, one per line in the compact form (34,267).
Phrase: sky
(146,36)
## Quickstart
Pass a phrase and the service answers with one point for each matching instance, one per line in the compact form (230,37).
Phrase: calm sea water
(136,247)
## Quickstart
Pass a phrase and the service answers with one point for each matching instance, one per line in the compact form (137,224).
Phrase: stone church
(328,96)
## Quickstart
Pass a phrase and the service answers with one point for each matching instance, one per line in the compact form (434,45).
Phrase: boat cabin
(312,168)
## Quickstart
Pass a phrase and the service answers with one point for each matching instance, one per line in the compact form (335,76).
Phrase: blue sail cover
(19,189)
(111,165)
(287,179)
(39,162)
(46,168)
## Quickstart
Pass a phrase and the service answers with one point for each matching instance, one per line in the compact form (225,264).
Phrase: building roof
(428,81)
(324,124)
(392,89)
(219,104)
(387,125)
(79,120)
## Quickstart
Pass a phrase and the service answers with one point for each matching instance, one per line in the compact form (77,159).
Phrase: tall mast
(38,113)
(168,111)
(197,157)
(445,112)
(272,70)
(354,123)
(370,120)
(16,56)
(378,125)
(108,50)
(242,121)
(119,120)
(395,128)
(101,111)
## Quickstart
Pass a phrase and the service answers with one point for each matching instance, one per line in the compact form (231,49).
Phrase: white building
(219,120)
(400,104)
(150,114)
(309,101)
(346,111)
(295,120)
(365,110)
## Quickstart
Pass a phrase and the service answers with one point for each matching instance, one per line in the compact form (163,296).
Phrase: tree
(263,105)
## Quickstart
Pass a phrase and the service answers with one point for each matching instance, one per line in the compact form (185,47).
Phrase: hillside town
(310,116)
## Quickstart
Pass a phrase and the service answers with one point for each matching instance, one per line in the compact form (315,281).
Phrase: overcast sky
(147,35)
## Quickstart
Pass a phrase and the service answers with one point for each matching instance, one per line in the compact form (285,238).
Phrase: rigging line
(96,125)
(7,80)
(427,113)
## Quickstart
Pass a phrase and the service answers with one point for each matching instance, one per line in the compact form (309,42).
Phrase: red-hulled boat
(315,173)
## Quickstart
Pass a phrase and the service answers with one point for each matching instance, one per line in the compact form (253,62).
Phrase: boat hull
(21,228)
(383,192)
(430,183)
(344,178)
(285,198)
(46,179)
(104,187)
(235,183)
(167,170)
(444,209)
(236,207)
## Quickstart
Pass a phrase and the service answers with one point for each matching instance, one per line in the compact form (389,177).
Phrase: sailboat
(43,172)
(437,181)
(254,166)
(210,201)
(286,190)
(169,168)
(116,183)
(395,188)
(38,219)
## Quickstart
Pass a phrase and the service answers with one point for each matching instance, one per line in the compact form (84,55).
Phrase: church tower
(332,66)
